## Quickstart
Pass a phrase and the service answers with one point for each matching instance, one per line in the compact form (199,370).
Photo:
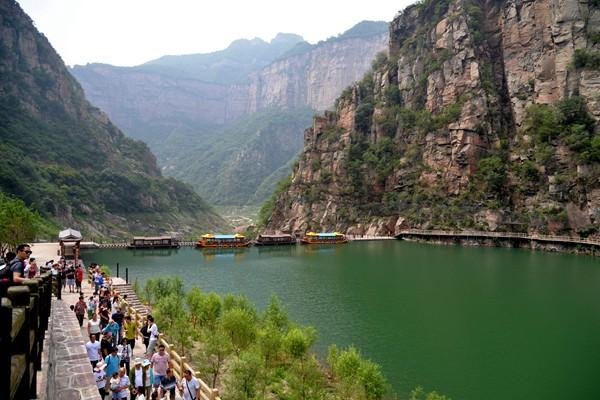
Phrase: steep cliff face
(316,77)
(483,116)
(65,158)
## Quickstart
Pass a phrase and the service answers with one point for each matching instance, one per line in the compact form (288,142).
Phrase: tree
(193,300)
(269,342)
(168,311)
(356,378)
(239,324)
(210,311)
(305,377)
(217,347)
(241,383)
(18,224)
(275,315)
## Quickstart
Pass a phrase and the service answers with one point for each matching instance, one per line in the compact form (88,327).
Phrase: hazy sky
(130,32)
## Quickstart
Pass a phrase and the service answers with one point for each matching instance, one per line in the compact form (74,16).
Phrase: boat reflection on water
(153,252)
(210,254)
(316,249)
(277,250)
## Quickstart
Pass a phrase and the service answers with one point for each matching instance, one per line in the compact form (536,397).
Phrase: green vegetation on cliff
(242,162)
(66,160)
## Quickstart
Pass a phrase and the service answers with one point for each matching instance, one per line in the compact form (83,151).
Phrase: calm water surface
(472,323)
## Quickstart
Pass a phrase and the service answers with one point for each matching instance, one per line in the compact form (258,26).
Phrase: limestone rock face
(413,143)
(314,78)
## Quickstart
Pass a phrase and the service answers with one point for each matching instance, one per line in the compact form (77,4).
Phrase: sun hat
(100,366)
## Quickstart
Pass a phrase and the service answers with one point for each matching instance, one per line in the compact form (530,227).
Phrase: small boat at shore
(274,240)
(211,241)
(324,238)
(157,242)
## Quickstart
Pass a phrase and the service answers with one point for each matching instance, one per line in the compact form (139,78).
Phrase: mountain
(230,66)
(181,104)
(65,158)
(483,116)
(232,166)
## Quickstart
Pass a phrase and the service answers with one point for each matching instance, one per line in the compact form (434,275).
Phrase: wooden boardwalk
(574,240)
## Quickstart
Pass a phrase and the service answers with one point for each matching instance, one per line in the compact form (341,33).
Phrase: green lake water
(472,323)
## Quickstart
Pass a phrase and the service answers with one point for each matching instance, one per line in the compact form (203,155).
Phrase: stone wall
(69,374)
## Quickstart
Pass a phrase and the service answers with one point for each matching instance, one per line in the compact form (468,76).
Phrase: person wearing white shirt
(153,330)
(93,350)
(189,387)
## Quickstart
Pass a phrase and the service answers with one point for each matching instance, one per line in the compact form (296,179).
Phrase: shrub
(492,172)
(363,117)
(584,58)
(542,122)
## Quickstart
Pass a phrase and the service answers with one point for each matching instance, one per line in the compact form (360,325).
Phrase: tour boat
(324,238)
(222,241)
(158,242)
(274,240)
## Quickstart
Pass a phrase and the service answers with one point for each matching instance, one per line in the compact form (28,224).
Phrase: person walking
(100,377)
(114,329)
(78,277)
(112,364)
(160,363)
(125,353)
(92,347)
(94,326)
(138,379)
(92,305)
(168,384)
(130,331)
(124,383)
(106,344)
(70,274)
(80,308)
(153,331)
(189,386)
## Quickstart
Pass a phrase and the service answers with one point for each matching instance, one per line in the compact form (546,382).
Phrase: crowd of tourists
(112,332)
(113,335)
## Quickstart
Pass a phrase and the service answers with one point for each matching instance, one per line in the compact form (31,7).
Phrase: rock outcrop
(481,117)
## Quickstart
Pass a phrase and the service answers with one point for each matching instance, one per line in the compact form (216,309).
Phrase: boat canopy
(325,234)
(150,238)
(223,237)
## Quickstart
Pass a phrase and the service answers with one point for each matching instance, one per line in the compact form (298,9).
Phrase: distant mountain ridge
(176,112)
(65,158)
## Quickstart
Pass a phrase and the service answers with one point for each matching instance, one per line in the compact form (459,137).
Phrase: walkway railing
(179,362)
(24,313)
(499,235)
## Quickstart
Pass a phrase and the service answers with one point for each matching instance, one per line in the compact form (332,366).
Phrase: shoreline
(560,244)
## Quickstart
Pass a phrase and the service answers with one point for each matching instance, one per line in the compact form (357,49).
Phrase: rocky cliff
(65,158)
(484,115)
(316,77)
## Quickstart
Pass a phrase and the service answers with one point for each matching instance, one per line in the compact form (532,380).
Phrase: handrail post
(181,366)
